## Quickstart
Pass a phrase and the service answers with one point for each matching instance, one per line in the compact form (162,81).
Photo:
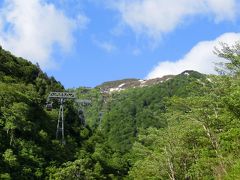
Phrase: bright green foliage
(27,131)
(10,158)
(202,137)
(79,169)
(186,127)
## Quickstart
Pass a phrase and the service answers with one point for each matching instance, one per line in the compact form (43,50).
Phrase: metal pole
(63,140)
(58,123)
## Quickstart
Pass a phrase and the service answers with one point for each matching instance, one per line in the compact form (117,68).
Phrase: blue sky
(88,42)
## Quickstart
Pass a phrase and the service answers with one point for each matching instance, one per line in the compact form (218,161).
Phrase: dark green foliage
(27,131)
(142,108)
(186,127)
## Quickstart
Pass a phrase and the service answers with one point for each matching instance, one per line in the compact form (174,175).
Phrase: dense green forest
(186,127)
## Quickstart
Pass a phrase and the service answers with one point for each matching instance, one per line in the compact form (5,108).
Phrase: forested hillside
(27,132)
(185,127)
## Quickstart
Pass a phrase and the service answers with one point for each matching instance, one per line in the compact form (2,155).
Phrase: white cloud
(105,45)
(82,21)
(109,47)
(157,17)
(223,10)
(32,28)
(200,58)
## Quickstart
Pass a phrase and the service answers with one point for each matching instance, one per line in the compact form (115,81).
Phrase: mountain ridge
(123,84)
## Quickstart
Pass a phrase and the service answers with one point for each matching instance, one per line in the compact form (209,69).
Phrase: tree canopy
(186,127)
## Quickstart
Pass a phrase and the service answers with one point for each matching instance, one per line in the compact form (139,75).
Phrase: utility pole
(61,96)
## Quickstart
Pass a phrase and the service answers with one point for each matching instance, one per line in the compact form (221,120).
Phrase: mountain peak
(120,85)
